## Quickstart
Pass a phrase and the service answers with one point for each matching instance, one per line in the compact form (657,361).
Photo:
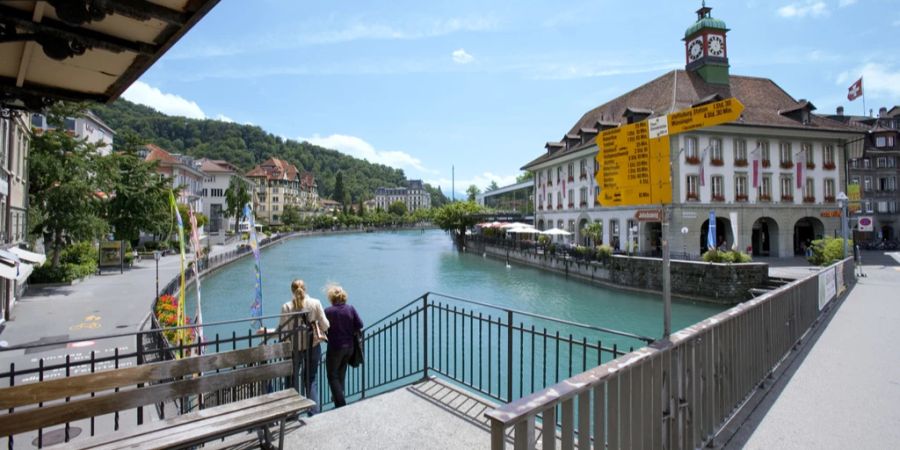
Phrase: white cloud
(481,180)
(570,71)
(878,79)
(811,8)
(223,118)
(844,3)
(460,56)
(171,104)
(359,148)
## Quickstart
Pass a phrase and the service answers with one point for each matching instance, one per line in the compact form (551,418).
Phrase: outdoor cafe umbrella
(556,232)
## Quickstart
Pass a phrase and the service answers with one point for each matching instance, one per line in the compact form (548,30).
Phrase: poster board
(827,286)
(112,255)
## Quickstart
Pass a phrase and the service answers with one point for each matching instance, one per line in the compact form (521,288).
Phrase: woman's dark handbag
(357,358)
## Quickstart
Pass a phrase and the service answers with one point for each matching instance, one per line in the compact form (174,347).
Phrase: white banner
(826,287)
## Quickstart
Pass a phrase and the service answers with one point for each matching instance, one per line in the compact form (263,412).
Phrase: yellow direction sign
(634,159)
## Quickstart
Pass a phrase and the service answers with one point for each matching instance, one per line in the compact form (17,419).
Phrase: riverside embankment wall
(712,282)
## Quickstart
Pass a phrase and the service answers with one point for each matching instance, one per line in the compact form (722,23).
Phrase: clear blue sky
(482,85)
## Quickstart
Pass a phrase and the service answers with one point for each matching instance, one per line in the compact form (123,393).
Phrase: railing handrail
(149,331)
(521,409)
(551,319)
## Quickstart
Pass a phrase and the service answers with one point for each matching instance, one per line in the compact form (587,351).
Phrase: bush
(604,252)
(827,251)
(726,257)
(78,260)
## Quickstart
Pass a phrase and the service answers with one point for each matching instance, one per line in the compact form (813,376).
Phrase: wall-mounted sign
(648,215)
(831,213)
(866,223)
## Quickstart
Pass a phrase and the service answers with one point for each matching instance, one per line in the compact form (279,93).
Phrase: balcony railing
(809,199)
(828,166)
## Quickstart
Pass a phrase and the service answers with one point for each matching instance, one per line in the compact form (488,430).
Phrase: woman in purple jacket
(345,322)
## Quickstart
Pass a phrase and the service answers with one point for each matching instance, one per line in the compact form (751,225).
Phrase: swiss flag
(855,90)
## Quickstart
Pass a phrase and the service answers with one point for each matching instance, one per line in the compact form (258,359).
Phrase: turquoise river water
(383,271)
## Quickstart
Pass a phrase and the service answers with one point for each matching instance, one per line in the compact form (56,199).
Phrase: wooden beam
(28,49)
(8,85)
(23,20)
(147,10)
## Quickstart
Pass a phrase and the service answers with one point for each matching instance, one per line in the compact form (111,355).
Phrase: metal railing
(566,251)
(499,352)
(111,352)
(676,393)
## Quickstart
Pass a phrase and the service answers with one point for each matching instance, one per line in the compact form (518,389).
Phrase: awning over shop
(12,268)
(30,257)
(85,49)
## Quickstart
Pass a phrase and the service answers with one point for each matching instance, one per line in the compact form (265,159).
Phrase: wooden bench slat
(198,431)
(266,407)
(33,419)
(29,394)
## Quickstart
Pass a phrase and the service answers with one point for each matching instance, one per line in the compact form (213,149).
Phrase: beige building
(277,184)
(414,196)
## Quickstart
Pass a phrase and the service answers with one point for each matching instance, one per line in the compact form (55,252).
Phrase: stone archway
(540,224)
(807,230)
(583,222)
(724,234)
(887,232)
(764,240)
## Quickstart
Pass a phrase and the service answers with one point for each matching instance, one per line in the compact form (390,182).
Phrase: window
(787,188)
(867,163)
(549,200)
(690,150)
(715,152)
(808,154)
(559,224)
(571,198)
(718,188)
(829,190)
(854,163)
(828,157)
(882,141)
(571,172)
(809,192)
(583,197)
(571,225)
(784,151)
(740,188)
(891,183)
(583,173)
(891,161)
(559,200)
(867,184)
(764,153)
(559,174)
(867,205)
(765,188)
(693,188)
(549,178)
(740,153)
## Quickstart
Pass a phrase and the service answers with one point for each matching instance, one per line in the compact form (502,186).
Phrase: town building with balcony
(183,171)
(218,177)
(87,126)
(771,177)
(413,195)
(278,184)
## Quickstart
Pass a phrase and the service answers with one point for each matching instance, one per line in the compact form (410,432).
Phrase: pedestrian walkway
(843,388)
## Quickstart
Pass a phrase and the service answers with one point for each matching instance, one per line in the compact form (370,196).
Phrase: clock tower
(705,47)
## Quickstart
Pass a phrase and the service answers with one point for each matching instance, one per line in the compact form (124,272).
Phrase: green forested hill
(246,145)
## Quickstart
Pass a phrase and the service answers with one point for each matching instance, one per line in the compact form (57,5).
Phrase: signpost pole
(667,276)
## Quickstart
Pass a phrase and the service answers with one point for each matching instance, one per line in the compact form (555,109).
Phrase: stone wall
(712,282)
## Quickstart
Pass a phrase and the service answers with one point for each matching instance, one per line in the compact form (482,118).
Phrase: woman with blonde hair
(315,317)
(345,322)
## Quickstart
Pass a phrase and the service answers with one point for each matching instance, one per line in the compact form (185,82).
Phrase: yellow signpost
(635,168)
(634,158)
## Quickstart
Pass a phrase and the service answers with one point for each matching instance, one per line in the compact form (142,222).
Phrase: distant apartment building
(218,176)
(184,172)
(877,173)
(414,196)
(90,127)
(277,184)
(16,264)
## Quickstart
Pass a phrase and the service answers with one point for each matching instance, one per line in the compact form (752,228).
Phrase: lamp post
(843,203)
(684,232)
(156,258)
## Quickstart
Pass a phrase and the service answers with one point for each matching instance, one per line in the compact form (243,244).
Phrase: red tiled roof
(765,104)
(217,166)
(158,154)
(275,169)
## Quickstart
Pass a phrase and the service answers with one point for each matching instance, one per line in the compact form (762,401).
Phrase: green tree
(338,194)
(525,176)
(457,218)
(397,208)
(473,191)
(492,187)
(64,186)
(236,196)
(186,222)
(438,198)
(594,232)
(361,208)
(290,216)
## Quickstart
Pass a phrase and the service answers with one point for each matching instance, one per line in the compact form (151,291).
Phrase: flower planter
(740,163)
(787,165)
(716,162)
(766,163)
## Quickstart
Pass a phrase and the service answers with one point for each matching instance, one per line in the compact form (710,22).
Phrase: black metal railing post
(295,354)
(509,356)
(140,360)
(425,336)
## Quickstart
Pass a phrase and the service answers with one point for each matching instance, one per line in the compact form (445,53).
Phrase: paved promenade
(843,389)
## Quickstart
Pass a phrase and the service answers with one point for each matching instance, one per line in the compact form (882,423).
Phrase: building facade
(278,184)
(184,172)
(770,178)
(413,195)
(876,172)
(515,198)
(88,126)
(218,176)
(15,263)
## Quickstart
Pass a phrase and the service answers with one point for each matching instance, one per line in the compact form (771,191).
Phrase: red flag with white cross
(855,90)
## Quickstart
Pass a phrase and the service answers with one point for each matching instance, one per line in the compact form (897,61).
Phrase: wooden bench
(95,394)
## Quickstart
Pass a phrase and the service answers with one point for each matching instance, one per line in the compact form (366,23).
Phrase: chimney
(840,110)
(882,112)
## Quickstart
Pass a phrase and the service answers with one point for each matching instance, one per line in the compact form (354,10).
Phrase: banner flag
(711,235)
(179,316)
(256,306)
(198,256)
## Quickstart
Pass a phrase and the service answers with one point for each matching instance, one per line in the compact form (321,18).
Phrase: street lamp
(843,203)
(156,258)
(684,232)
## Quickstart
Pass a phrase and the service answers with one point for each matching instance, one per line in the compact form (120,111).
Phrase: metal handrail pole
(425,336)
(509,356)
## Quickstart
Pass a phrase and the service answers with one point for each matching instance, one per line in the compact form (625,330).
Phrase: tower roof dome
(705,22)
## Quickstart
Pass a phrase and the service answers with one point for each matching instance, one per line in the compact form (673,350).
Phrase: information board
(634,158)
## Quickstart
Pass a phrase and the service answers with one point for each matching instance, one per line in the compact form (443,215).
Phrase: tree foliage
(290,216)
(472,191)
(397,208)
(247,145)
(236,196)
(525,176)
(456,218)
(492,187)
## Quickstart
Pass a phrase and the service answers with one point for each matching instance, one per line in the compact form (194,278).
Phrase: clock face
(695,49)
(716,45)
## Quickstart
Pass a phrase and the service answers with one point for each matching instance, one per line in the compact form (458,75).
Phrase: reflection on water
(383,271)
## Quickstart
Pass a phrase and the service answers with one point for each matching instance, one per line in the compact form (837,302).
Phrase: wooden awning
(85,49)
